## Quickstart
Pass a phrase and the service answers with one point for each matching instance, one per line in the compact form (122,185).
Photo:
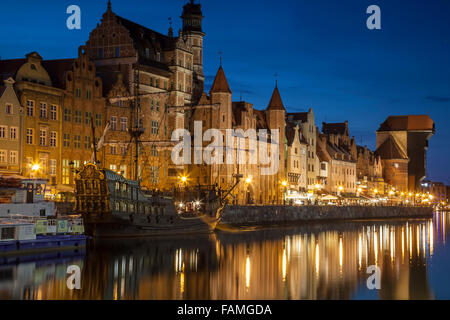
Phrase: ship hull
(121,228)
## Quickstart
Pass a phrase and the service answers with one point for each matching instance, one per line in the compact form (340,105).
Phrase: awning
(60,188)
(329,198)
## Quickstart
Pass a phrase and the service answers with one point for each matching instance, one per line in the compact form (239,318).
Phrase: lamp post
(34,169)
(248,181)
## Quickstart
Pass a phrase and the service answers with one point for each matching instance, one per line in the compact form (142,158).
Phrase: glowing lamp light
(249,180)
(181,205)
(359,190)
(284,183)
(341,188)
(391,193)
(183,179)
(197,203)
(410,194)
(375,191)
(431,197)
(36,167)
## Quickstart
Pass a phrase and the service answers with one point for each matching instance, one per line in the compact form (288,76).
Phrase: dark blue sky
(323,53)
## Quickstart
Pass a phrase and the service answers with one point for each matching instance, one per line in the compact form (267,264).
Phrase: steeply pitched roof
(334,128)
(220,82)
(57,71)
(9,68)
(390,150)
(298,116)
(275,102)
(405,123)
(260,119)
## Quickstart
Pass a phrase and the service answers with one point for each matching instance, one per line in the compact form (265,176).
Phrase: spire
(220,82)
(275,102)
(170,28)
(109,6)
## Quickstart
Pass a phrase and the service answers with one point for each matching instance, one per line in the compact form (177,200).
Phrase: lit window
(13,157)
(77,141)
(155,127)
(43,137)
(53,112)
(123,124)
(52,167)
(53,136)
(3,156)
(30,108)
(113,123)
(43,110)
(30,136)
(66,141)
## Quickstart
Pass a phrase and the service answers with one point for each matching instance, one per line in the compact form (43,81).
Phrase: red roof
(275,102)
(406,123)
(220,82)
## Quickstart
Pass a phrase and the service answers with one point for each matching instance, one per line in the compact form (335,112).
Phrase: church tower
(276,119)
(192,30)
(221,95)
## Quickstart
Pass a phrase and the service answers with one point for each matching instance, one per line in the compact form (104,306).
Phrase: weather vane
(220,57)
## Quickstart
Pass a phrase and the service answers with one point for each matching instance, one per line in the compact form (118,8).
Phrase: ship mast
(136,131)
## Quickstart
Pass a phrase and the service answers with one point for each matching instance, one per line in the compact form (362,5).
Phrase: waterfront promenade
(279,214)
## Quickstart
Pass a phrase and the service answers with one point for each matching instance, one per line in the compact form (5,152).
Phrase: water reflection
(307,262)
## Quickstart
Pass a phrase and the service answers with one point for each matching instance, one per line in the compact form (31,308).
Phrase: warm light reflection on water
(327,261)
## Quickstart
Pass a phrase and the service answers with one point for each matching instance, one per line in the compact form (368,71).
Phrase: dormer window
(147,52)
(33,67)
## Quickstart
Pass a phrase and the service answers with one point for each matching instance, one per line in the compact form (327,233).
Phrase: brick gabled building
(407,137)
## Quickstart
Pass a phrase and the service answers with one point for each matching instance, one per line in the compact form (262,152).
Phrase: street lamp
(248,181)
(35,168)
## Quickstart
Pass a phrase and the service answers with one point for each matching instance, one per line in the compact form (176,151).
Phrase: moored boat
(112,206)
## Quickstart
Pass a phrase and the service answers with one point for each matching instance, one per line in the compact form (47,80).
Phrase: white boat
(24,197)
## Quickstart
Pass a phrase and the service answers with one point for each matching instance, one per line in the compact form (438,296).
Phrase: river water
(317,261)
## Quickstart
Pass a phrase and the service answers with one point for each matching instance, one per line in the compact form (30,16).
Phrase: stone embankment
(272,215)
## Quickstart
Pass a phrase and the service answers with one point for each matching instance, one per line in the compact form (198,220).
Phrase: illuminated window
(77,141)
(66,140)
(43,110)
(30,108)
(123,124)
(43,137)
(13,157)
(3,156)
(53,112)
(113,123)
(53,139)
(30,135)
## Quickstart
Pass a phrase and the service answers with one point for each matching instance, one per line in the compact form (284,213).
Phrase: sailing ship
(113,206)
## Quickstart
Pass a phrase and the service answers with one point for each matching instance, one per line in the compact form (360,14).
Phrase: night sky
(322,51)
